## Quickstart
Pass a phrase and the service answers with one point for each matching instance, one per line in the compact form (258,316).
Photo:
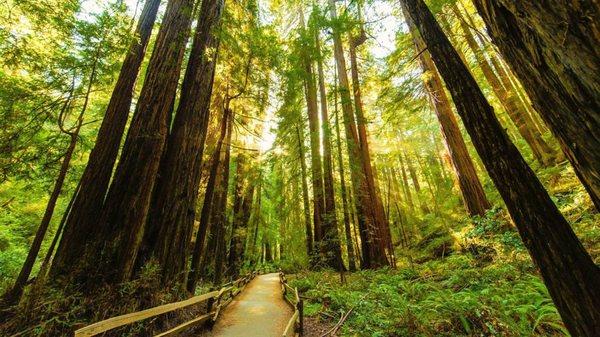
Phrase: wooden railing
(216,299)
(295,326)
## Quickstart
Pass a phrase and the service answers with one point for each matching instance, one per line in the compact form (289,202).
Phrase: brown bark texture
(371,252)
(310,92)
(331,239)
(220,226)
(205,213)
(344,194)
(511,103)
(554,49)
(173,209)
(127,203)
(87,203)
(568,271)
(380,231)
(472,192)
(305,198)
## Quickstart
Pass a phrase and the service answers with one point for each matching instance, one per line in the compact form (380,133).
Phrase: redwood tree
(174,204)
(372,254)
(125,209)
(511,103)
(87,203)
(305,199)
(205,213)
(310,92)
(470,187)
(568,271)
(331,240)
(554,49)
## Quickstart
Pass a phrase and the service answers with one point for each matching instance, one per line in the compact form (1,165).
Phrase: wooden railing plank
(297,320)
(118,321)
(233,288)
(289,329)
(188,324)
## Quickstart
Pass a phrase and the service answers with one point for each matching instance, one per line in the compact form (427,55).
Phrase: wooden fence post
(301,315)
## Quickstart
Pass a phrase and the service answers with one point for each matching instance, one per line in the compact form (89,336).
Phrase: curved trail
(259,311)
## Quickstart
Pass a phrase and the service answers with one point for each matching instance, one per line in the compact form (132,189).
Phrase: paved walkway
(259,311)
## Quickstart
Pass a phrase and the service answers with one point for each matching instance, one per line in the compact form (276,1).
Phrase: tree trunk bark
(240,228)
(307,221)
(473,196)
(87,204)
(310,91)
(413,177)
(349,245)
(371,254)
(128,200)
(553,245)
(380,233)
(331,244)
(221,218)
(554,49)
(407,191)
(516,112)
(171,220)
(205,214)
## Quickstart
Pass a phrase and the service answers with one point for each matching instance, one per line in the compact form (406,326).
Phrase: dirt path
(259,311)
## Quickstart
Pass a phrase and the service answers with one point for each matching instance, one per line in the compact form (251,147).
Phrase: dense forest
(416,167)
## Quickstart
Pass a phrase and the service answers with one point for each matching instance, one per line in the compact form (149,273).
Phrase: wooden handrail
(122,320)
(295,326)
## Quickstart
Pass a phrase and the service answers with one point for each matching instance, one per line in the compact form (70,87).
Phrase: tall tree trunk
(221,218)
(331,244)
(240,228)
(307,221)
(555,51)
(371,254)
(570,274)
(87,203)
(257,212)
(470,187)
(457,46)
(413,177)
(268,254)
(205,214)
(310,91)
(381,231)
(59,230)
(349,245)
(407,191)
(171,221)
(516,112)
(510,83)
(238,200)
(128,200)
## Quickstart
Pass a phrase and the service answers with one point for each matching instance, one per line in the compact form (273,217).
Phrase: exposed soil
(317,327)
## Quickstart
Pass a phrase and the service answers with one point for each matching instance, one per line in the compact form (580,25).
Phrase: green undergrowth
(50,310)
(449,297)
(465,278)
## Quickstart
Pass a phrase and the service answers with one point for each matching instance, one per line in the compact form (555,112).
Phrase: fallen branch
(336,327)
(339,325)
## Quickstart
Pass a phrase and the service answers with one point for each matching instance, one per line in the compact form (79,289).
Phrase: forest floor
(461,278)
(259,311)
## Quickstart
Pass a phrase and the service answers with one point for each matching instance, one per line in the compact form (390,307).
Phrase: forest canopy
(419,168)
